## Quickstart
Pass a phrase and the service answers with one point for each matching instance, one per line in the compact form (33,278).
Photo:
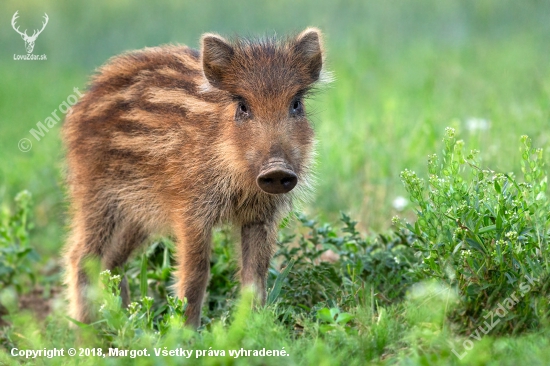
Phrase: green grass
(403,72)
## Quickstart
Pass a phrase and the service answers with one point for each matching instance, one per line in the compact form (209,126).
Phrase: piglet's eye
(297,108)
(243,112)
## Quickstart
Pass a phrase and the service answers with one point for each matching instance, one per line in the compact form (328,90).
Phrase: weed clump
(485,233)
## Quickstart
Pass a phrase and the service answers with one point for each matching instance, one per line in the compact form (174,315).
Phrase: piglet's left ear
(309,51)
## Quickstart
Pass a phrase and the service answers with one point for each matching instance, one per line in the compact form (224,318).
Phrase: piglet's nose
(277,180)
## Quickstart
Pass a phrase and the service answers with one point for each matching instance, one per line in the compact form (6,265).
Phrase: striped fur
(154,146)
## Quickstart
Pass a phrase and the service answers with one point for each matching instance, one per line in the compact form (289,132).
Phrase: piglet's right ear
(216,58)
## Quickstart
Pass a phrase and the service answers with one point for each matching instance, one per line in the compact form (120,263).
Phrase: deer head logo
(29,40)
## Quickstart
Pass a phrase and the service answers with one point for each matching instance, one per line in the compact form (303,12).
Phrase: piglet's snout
(277,178)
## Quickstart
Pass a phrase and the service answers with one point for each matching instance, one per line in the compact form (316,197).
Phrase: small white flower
(512,235)
(475,124)
(465,253)
(399,203)
(395,220)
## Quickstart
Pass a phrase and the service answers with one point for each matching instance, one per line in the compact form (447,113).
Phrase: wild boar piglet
(170,140)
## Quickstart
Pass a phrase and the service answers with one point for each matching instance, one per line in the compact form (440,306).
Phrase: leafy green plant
(118,326)
(16,255)
(332,319)
(149,278)
(354,269)
(484,232)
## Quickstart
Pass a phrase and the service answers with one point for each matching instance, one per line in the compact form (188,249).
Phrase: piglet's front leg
(258,244)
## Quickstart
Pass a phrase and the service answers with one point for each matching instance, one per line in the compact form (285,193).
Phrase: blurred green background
(404,70)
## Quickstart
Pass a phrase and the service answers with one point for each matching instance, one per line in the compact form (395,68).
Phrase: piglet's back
(139,112)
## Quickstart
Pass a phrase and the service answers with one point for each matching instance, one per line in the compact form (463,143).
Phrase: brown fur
(156,145)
